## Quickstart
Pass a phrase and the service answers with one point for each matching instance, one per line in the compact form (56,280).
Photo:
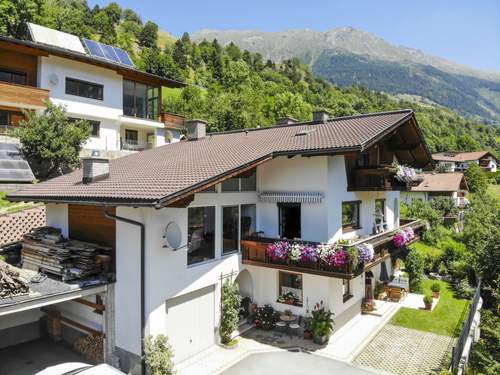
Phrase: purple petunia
(279,250)
(308,254)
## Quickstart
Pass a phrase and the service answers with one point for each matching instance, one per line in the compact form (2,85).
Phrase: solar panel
(93,47)
(123,56)
(42,34)
(109,52)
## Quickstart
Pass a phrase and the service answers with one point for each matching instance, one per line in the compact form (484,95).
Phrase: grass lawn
(446,318)
(3,202)
(494,190)
(7,207)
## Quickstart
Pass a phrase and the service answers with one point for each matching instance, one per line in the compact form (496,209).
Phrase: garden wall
(14,226)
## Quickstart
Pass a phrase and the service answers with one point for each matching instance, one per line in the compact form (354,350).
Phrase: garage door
(190,322)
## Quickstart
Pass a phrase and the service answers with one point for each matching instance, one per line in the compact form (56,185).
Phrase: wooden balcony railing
(377,178)
(22,96)
(254,252)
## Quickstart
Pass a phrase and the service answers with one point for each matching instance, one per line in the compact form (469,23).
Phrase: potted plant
(379,291)
(428,302)
(287,298)
(307,328)
(367,305)
(321,324)
(436,288)
(230,301)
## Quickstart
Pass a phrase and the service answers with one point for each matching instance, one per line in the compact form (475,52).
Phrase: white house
(208,208)
(460,161)
(451,185)
(121,103)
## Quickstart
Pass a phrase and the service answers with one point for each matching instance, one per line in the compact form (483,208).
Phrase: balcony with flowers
(342,259)
(384,177)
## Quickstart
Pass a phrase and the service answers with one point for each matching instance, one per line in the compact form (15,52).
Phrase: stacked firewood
(46,250)
(91,346)
(11,282)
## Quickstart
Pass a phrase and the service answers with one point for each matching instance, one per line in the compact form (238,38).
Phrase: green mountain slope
(347,56)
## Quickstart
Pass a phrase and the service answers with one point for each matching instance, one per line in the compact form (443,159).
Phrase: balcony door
(289,220)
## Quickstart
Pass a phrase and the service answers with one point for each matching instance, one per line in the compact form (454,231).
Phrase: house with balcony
(93,81)
(460,161)
(209,208)
(452,185)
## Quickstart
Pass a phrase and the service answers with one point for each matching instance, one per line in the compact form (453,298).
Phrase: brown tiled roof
(153,176)
(459,156)
(441,182)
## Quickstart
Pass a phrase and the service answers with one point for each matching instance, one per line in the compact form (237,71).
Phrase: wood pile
(46,250)
(91,346)
(11,282)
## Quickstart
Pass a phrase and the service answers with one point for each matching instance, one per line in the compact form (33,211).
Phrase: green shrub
(442,270)
(158,355)
(435,235)
(436,287)
(463,289)
(414,265)
(231,300)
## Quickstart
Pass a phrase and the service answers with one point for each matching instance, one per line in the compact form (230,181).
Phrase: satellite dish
(54,79)
(173,236)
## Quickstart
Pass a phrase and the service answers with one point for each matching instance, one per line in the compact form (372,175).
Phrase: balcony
(22,96)
(254,252)
(378,179)
(130,145)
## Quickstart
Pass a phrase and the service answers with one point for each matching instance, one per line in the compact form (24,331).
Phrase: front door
(289,220)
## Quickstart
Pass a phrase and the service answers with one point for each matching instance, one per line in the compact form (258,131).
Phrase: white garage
(190,323)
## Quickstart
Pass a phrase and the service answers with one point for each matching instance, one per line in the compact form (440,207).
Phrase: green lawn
(7,207)
(446,318)
(494,190)
(3,202)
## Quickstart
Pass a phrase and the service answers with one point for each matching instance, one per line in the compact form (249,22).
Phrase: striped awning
(290,197)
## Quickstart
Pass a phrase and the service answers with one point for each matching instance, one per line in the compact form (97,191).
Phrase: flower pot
(233,344)
(320,340)
(428,306)
(435,294)
(307,335)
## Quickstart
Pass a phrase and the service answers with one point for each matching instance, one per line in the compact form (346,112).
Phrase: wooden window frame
(280,282)
(15,72)
(349,227)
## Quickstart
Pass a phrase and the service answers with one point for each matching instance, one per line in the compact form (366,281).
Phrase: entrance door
(289,220)
(190,322)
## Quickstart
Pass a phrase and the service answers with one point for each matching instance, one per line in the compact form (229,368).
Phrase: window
(379,211)
(290,288)
(131,137)
(12,77)
(140,100)
(201,234)
(244,182)
(84,89)
(231,184)
(289,220)
(4,118)
(230,229)
(346,289)
(248,220)
(95,125)
(350,215)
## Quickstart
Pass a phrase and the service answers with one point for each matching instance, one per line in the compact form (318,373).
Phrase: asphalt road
(292,363)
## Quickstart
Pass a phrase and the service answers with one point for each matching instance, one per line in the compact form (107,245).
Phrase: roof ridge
(340,118)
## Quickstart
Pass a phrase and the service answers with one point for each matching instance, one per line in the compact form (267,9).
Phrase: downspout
(143,255)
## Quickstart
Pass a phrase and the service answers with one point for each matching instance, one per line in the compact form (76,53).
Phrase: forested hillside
(232,88)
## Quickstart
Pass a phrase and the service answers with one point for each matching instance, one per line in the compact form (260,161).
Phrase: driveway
(34,356)
(292,363)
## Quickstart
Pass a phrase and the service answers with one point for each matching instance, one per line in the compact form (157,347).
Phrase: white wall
(57,216)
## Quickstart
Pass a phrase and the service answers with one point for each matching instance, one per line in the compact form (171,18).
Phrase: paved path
(291,363)
(344,345)
(404,351)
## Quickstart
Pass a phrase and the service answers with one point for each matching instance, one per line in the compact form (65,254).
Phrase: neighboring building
(451,185)
(460,161)
(210,206)
(98,83)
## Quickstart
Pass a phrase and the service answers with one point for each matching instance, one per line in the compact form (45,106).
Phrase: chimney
(95,169)
(196,129)
(286,121)
(320,116)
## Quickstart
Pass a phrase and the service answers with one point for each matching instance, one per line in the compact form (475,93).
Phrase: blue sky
(464,31)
